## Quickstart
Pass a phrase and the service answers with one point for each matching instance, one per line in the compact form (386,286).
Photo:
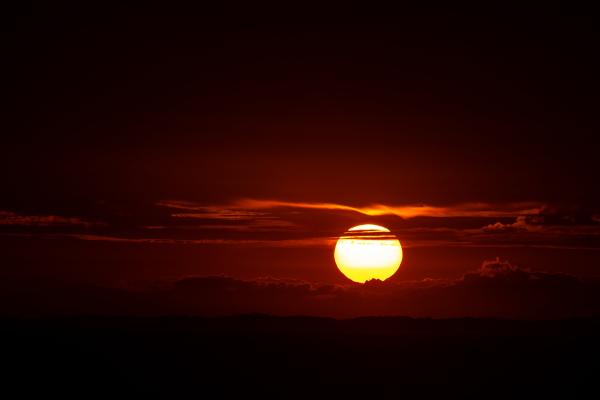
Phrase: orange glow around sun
(368,252)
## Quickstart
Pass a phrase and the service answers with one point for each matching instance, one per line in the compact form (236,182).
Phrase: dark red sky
(139,148)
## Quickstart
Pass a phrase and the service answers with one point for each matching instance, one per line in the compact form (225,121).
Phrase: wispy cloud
(533,224)
(238,218)
(194,210)
(305,242)
(246,206)
(14,219)
(277,223)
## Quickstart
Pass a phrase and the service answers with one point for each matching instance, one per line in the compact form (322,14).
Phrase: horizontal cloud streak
(318,241)
(277,223)
(485,210)
(533,223)
(13,219)
(303,242)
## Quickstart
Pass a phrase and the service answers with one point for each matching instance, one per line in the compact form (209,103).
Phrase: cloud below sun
(496,289)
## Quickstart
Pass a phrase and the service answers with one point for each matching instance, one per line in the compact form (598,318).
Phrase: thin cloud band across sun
(368,251)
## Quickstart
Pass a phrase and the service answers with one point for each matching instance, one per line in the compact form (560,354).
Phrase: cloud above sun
(242,206)
(287,223)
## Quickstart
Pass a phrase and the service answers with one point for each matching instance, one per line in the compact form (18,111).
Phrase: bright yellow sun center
(368,252)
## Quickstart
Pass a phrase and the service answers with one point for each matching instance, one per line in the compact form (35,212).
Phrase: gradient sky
(139,149)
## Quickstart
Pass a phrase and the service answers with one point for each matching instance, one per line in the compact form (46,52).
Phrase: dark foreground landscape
(288,356)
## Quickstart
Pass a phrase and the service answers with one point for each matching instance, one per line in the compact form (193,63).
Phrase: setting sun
(368,252)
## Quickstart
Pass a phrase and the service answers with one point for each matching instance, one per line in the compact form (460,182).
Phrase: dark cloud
(8,218)
(496,289)
(551,217)
(496,268)
(520,225)
(566,227)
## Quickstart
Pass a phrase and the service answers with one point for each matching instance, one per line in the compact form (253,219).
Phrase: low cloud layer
(496,289)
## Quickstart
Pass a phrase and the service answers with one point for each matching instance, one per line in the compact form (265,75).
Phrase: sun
(368,252)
